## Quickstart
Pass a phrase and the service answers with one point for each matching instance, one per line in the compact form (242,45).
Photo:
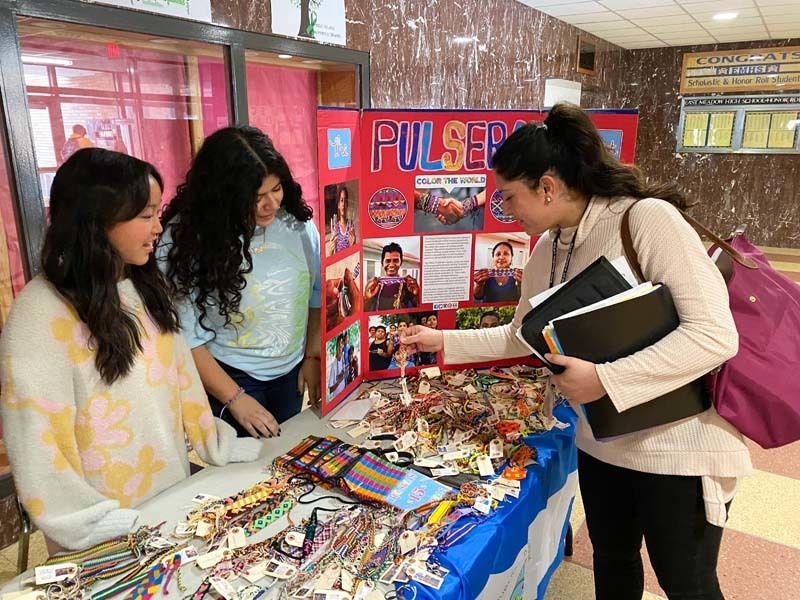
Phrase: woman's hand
(256,419)
(479,279)
(579,382)
(309,377)
(424,338)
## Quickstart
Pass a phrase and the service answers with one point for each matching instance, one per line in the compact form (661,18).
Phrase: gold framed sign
(755,70)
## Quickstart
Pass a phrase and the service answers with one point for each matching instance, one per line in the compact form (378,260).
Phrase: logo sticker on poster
(613,140)
(339,148)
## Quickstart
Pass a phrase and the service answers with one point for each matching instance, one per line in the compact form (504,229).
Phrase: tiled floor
(760,554)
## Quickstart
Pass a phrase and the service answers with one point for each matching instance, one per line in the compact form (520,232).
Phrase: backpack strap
(723,262)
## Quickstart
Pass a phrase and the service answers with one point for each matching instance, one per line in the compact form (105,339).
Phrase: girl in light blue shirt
(242,254)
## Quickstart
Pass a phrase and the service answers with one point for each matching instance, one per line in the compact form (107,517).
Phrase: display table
(511,555)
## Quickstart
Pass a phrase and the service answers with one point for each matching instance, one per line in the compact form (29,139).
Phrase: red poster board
(408,169)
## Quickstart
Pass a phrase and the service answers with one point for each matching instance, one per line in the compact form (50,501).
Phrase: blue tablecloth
(494,545)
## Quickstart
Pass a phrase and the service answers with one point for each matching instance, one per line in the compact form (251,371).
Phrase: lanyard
(566,263)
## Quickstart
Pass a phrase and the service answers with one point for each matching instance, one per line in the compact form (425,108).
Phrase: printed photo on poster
(484,318)
(341,216)
(387,208)
(341,359)
(384,339)
(343,297)
(449,203)
(391,273)
(499,260)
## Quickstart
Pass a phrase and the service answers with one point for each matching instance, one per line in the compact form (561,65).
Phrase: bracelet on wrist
(238,393)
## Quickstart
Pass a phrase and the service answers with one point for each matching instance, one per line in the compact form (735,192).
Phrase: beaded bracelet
(239,392)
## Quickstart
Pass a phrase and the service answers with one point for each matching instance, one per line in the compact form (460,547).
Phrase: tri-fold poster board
(413,231)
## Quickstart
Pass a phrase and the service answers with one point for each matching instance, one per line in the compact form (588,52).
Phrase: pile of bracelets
(430,203)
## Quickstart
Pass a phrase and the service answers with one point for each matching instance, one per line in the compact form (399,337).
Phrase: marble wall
(759,191)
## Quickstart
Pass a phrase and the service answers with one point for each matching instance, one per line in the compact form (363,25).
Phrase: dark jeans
(622,506)
(279,396)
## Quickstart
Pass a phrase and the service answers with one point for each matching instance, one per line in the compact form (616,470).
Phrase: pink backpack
(758,390)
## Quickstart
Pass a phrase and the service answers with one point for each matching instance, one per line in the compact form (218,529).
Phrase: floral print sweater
(83,453)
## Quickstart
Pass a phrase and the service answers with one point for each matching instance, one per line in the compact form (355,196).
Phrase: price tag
(328,578)
(224,588)
(496,448)
(358,431)
(375,395)
(391,456)
(206,561)
(425,577)
(509,483)
(183,529)
(187,555)
(406,399)
(236,538)
(422,425)
(498,493)
(203,529)
(428,462)
(295,539)
(55,573)
(457,379)
(485,467)
(279,570)
(457,455)
(483,505)
(348,581)
(364,590)
(320,594)
(408,440)
(470,389)
(407,542)
(424,387)
(443,471)
(255,573)
(430,372)
(203,498)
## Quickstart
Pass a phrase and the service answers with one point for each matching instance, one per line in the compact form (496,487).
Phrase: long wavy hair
(212,218)
(92,191)
(569,144)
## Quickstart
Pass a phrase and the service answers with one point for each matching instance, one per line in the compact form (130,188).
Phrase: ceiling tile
(742,38)
(703,14)
(573,8)
(656,11)
(640,45)
(781,11)
(540,3)
(674,20)
(716,6)
(675,28)
(606,17)
(622,4)
(609,27)
(737,24)
(763,3)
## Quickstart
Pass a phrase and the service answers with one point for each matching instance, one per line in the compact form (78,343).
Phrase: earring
(548,199)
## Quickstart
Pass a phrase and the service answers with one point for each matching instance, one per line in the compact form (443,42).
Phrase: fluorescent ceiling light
(725,16)
(284,56)
(46,60)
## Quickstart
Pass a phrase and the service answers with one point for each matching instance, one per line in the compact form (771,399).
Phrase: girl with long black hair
(242,255)
(99,389)
(672,484)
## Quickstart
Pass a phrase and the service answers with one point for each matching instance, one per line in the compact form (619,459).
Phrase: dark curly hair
(569,144)
(212,218)
(92,191)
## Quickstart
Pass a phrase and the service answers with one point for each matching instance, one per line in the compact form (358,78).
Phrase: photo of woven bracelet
(387,208)
(496,208)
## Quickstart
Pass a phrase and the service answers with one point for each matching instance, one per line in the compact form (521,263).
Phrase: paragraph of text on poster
(445,268)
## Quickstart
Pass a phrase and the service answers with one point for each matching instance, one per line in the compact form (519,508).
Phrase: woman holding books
(672,484)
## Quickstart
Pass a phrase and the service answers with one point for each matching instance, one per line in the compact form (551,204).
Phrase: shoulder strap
(633,258)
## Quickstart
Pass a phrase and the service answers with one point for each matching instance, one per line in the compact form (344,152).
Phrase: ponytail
(568,143)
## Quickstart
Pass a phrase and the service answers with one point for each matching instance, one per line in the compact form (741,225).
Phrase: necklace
(263,245)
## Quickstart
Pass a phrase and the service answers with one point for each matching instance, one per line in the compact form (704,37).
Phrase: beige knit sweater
(671,252)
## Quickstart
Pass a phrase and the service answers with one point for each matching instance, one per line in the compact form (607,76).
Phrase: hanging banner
(197,10)
(415,232)
(754,70)
(320,20)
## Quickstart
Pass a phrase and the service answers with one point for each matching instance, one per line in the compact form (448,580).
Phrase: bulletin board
(414,232)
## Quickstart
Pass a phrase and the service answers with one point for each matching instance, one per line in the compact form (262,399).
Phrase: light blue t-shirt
(269,339)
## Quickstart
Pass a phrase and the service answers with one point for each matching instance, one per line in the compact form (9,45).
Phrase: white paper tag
(407,542)
(224,588)
(364,590)
(187,555)
(512,492)
(483,505)
(509,483)
(443,471)
(431,462)
(255,573)
(371,444)
(485,467)
(208,560)
(358,431)
(203,529)
(328,578)
(422,425)
(279,570)
(295,539)
(183,529)
(496,448)
(498,493)
(236,538)
(406,399)
(457,455)
(424,387)
(470,389)
(324,594)
(457,379)
(55,573)
(430,372)
(395,573)
(348,581)
(425,577)
(408,440)
(375,395)
(203,498)
(391,456)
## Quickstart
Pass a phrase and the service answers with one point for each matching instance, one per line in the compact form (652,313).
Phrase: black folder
(598,281)
(619,330)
